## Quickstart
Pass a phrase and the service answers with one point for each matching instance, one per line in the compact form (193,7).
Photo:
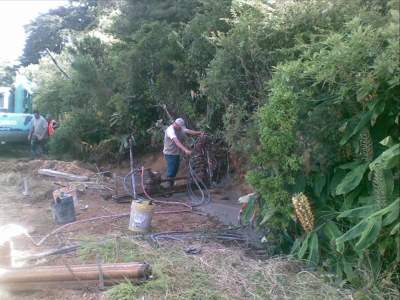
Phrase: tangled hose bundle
(194,183)
(199,170)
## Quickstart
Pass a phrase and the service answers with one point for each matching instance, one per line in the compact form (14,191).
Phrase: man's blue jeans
(173,162)
(37,147)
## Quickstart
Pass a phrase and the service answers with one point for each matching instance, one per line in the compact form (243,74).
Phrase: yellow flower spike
(366,147)
(304,211)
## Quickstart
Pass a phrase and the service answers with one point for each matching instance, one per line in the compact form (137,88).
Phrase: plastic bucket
(141,215)
(63,209)
(67,190)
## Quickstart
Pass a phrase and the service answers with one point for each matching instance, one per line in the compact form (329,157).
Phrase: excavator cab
(15,113)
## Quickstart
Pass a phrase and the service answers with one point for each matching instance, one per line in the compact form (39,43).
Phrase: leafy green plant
(330,130)
(76,135)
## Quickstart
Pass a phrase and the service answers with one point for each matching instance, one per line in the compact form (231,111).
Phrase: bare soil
(33,214)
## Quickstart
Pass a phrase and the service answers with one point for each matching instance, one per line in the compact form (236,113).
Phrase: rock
(246,198)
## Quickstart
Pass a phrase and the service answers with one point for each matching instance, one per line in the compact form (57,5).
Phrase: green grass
(174,274)
(217,273)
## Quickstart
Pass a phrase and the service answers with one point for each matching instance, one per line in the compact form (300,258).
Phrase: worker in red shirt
(51,125)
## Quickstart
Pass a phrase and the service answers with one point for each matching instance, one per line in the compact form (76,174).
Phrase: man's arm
(181,146)
(31,128)
(193,132)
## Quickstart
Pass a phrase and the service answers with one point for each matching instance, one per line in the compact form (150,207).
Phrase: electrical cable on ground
(197,235)
(116,216)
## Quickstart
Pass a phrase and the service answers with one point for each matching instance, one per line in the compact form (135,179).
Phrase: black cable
(194,178)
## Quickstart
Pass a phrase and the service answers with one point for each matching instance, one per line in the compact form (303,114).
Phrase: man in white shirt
(173,146)
(37,134)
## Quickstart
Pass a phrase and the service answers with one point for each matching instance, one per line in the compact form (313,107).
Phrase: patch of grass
(123,291)
(217,273)
(175,276)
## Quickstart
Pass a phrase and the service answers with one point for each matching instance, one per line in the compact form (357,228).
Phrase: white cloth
(39,128)
(170,148)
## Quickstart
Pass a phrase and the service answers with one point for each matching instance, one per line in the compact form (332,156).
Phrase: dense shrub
(75,135)
(330,130)
(262,36)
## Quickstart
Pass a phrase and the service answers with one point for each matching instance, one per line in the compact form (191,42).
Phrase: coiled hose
(194,183)
(195,180)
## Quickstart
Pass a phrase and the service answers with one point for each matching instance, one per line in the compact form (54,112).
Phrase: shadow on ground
(19,151)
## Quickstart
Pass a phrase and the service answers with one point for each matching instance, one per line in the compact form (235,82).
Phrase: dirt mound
(18,175)
(10,179)
(29,167)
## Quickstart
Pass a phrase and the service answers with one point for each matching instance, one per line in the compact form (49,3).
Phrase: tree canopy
(53,30)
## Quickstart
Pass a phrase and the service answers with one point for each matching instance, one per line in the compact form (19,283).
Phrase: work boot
(171,181)
(169,187)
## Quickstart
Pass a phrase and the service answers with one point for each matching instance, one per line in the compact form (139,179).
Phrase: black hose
(195,179)
(198,235)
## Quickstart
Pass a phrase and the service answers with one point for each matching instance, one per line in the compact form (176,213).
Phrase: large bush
(330,130)
(77,133)
(262,36)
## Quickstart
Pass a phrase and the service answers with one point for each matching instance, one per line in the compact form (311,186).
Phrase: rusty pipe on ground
(79,273)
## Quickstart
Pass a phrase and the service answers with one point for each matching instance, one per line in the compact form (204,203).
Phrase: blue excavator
(15,112)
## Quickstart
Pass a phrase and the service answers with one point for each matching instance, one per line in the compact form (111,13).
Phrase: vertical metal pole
(26,190)
(115,178)
(132,169)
